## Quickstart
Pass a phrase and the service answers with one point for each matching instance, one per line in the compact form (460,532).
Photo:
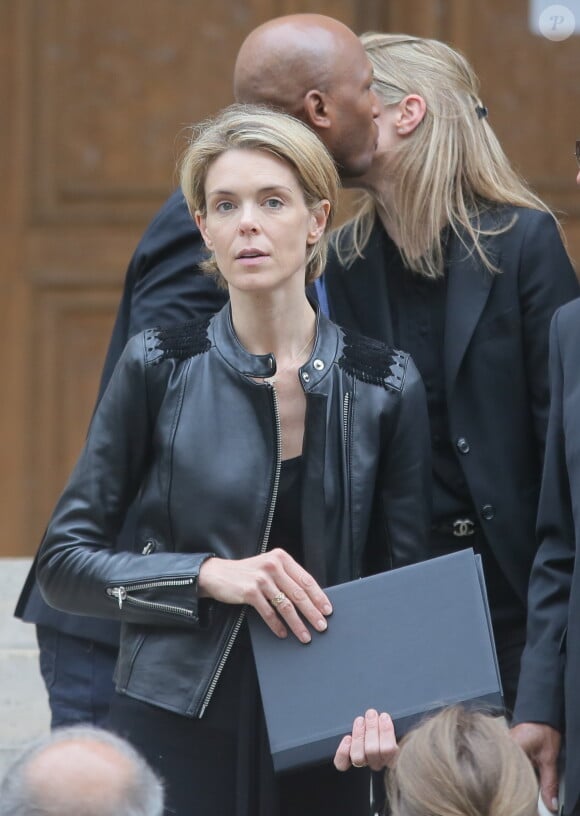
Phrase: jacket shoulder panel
(179,342)
(373,362)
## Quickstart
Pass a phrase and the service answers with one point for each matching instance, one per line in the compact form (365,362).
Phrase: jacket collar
(359,293)
(264,365)
(469,283)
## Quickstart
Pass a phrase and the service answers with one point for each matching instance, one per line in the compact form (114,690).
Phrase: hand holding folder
(372,743)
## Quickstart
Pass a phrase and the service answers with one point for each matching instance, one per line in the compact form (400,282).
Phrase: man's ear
(411,112)
(316,111)
(201,225)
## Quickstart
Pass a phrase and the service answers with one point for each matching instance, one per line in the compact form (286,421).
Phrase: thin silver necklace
(274,378)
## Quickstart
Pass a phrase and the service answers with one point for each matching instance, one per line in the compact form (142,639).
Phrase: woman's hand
(274,584)
(372,743)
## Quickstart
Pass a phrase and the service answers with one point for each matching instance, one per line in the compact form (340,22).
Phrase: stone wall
(24,713)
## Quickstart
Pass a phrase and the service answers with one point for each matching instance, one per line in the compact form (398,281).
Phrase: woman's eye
(273,203)
(224,206)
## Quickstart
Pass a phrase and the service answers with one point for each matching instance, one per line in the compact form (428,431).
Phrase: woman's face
(396,122)
(388,142)
(257,223)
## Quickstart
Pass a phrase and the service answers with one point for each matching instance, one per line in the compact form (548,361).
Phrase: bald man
(315,68)
(80,770)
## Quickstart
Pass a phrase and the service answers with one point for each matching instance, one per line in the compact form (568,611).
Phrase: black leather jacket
(184,423)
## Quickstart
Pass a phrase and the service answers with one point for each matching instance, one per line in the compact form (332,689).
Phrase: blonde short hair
(256,127)
(462,763)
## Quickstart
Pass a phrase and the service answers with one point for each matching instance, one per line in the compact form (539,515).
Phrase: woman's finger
(387,740)
(358,756)
(342,756)
(306,589)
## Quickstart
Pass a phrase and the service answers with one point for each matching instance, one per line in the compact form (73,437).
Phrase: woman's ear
(411,112)
(318,218)
(200,220)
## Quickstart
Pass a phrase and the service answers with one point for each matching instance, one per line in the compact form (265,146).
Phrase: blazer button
(488,512)
(462,445)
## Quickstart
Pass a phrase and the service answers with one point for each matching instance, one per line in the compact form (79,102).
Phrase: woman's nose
(248,219)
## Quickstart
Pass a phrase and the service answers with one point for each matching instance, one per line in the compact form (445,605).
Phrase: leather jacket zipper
(121,593)
(346,426)
(263,548)
(345,416)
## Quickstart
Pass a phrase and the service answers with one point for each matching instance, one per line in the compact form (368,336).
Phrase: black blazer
(163,286)
(550,674)
(496,363)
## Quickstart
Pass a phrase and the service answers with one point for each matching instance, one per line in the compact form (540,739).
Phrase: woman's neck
(381,190)
(278,325)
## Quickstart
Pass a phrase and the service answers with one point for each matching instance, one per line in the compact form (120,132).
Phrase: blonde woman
(274,454)
(452,258)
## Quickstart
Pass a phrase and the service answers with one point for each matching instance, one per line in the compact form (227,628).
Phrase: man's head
(316,69)
(81,769)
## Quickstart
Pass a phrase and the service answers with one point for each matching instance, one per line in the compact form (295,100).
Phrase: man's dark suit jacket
(549,690)
(163,286)
(495,360)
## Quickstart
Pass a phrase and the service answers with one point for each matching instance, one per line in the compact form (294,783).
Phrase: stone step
(24,712)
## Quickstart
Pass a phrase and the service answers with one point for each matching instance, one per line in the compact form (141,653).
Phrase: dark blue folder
(409,641)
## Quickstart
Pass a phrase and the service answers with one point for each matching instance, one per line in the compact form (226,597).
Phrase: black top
(418,316)
(286,533)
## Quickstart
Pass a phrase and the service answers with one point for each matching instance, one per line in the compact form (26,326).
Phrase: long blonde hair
(449,170)
(462,763)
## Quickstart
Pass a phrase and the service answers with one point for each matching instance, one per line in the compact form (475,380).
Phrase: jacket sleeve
(78,568)
(405,475)
(541,685)
(546,282)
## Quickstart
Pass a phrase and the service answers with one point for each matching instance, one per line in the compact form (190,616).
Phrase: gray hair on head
(80,770)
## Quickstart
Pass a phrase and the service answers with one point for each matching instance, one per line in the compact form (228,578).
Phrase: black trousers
(78,675)
(222,762)
(203,774)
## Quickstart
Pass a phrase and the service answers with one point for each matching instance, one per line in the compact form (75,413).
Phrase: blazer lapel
(366,294)
(468,287)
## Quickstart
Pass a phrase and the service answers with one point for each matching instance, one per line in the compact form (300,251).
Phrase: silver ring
(354,765)
(278,599)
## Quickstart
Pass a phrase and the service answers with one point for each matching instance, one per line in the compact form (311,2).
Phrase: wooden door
(94,95)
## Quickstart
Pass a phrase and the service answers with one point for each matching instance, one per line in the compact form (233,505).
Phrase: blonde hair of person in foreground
(461,763)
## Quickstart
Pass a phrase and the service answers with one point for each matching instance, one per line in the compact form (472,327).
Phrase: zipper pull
(149,547)
(120,593)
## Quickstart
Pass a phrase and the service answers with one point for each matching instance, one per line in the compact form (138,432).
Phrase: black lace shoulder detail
(373,362)
(180,342)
